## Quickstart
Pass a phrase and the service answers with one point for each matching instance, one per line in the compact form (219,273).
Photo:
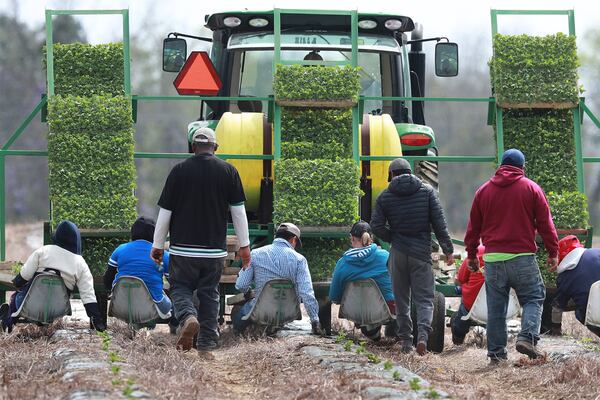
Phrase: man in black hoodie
(404,215)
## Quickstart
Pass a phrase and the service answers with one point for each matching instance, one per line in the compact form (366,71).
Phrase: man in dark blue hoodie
(577,271)
(404,215)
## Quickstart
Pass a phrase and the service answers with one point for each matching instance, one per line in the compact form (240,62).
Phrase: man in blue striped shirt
(279,261)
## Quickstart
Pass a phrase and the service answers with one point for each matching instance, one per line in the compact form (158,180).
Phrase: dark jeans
(523,274)
(412,276)
(459,327)
(202,274)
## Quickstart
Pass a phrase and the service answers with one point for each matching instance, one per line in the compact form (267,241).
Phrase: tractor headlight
(367,24)
(258,22)
(232,22)
(393,24)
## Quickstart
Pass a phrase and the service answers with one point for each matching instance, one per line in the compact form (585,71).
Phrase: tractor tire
(428,172)
(435,343)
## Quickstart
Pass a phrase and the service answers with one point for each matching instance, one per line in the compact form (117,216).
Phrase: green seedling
(114,357)
(387,365)
(348,345)
(432,394)
(341,337)
(116,382)
(396,375)
(373,358)
(115,369)
(414,384)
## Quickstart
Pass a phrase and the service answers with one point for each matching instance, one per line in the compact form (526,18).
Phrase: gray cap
(399,164)
(288,226)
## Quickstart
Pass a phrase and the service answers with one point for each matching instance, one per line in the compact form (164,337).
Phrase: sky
(456,19)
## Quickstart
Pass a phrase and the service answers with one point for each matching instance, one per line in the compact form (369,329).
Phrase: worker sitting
(278,260)
(62,258)
(131,259)
(578,270)
(470,284)
(365,260)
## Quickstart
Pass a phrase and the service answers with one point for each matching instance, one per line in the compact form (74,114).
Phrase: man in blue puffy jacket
(365,260)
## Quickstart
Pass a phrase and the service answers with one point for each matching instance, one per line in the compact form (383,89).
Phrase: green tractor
(241,64)
(242,56)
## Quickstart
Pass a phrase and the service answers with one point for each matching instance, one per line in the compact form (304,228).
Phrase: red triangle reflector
(198,76)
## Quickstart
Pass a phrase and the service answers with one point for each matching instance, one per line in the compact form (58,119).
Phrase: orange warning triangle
(198,76)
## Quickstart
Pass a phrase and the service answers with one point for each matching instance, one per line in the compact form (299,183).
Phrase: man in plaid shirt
(279,261)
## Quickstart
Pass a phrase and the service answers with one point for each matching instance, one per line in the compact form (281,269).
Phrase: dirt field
(32,365)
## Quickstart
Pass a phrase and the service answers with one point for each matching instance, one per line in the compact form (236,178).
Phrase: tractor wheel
(435,343)
(436,338)
(428,172)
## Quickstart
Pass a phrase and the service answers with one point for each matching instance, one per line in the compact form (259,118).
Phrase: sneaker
(457,340)
(529,349)
(207,345)
(189,329)
(421,348)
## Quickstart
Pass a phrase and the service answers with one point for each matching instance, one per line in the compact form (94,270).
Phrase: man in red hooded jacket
(506,213)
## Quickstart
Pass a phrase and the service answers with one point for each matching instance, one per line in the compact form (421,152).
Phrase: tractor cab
(242,60)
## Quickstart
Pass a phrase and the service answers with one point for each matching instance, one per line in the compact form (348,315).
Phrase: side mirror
(446,59)
(174,54)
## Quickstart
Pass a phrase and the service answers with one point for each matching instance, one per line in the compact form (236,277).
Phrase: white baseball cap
(199,132)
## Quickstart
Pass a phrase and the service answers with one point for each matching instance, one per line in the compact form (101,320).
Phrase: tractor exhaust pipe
(416,60)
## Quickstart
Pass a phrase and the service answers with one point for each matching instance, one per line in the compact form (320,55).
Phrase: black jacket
(404,215)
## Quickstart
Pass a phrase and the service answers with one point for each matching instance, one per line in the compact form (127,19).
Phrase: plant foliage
(322,254)
(569,209)
(84,70)
(534,69)
(91,169)
(316,192)
(299,82)
(546,139)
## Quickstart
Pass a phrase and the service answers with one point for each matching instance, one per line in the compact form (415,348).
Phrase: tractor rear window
(256,75)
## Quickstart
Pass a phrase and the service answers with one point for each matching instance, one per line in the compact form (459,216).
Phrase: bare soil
(272,368)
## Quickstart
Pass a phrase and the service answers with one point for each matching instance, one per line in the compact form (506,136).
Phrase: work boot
(529,349)
(407,347)
(5,319)
(497,361)
(188,330)
(421,348)
(457,340)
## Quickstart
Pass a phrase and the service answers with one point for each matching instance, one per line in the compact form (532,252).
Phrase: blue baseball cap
(513,157)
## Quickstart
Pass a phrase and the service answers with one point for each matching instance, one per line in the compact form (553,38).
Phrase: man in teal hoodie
(363,261)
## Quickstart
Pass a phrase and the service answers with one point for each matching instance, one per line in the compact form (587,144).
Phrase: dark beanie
(68,237)
(513,157)
(143,228)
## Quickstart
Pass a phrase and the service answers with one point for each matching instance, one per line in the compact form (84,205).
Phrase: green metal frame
(50,44)
(267,231)
(570,14)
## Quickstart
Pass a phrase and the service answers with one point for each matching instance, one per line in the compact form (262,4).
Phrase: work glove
(552,263)
(317,329)
(19,281)
(157,255)
(96,320)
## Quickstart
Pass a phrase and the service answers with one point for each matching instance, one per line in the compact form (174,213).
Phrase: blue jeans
(459,327)
(238,323)
(522,274)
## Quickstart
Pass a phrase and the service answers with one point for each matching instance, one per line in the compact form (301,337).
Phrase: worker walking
(194,208)
(578,270)
(278,260)
(404,215)
(506,213)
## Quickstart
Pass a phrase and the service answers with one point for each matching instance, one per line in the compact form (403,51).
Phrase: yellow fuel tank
(243,133)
